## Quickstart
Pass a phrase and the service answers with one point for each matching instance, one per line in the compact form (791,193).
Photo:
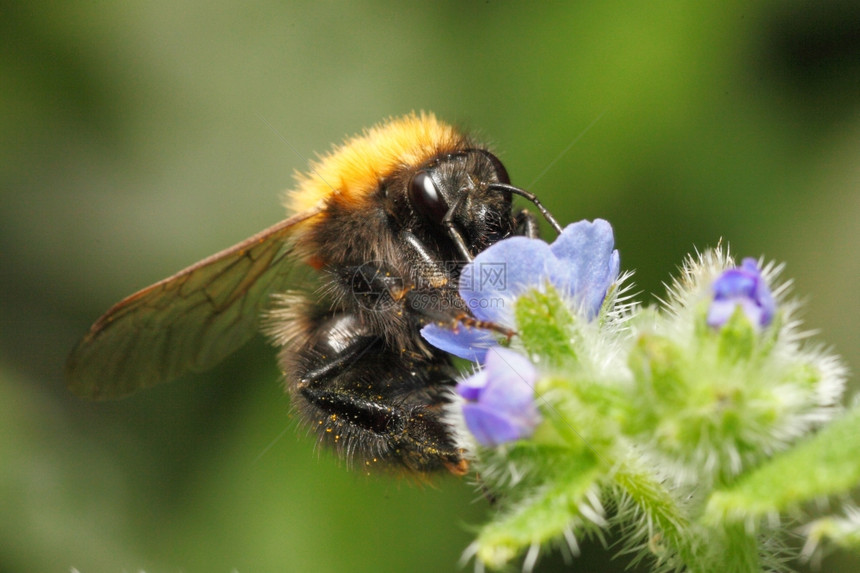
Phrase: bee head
(458,193)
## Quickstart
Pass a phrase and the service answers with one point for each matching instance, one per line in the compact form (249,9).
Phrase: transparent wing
(187,322)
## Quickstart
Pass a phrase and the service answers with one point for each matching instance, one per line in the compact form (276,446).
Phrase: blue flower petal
(734,283)
(500,398)
(720,312)
(513,378)
(471,387)
(742,287)
(762,292)
(590,263)
(465,342)
(500,274)
(492,428)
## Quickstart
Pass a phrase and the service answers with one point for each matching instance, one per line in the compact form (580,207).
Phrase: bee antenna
(531,197)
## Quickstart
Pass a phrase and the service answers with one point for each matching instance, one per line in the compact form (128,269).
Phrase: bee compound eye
(499,168)
(426,198)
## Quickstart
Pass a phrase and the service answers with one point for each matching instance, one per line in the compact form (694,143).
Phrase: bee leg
(526,224)
(441,303)
(375,405)
(431,293)
(428,261)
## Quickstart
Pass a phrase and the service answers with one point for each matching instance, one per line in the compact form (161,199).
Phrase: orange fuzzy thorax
(353,170)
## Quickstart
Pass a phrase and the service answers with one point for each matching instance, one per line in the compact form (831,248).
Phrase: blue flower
(742,287)
(499,398)
(581,264)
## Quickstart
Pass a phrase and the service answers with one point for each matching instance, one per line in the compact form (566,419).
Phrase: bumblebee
(383,225)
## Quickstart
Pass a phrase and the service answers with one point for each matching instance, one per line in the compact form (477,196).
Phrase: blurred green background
(138,137)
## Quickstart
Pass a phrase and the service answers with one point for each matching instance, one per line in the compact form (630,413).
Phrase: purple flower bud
(499,403)
(742,287)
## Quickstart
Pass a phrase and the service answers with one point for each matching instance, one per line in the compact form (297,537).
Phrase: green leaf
(558,508)
(672,539)
(826,464)
(669,536)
